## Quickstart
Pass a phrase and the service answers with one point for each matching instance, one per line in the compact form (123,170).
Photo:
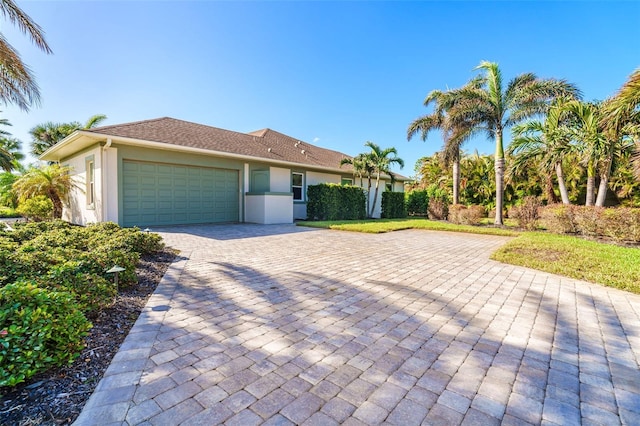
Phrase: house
(167,171)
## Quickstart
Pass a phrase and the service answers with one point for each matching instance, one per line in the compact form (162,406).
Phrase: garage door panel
(155,194)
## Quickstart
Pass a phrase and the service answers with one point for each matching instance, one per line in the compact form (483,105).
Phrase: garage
(174,194)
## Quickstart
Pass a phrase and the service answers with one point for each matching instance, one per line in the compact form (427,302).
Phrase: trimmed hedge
(393,205)
(417,202)
(335,202)
(466,215)
(621,224)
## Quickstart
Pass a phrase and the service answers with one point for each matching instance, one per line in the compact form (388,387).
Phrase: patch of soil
(56,397)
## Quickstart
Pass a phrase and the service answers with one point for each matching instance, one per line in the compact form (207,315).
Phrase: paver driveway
(281,325)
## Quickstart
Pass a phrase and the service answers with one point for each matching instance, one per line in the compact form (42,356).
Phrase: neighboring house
(168,172)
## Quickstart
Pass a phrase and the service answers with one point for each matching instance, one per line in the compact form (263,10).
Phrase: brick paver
(288,325)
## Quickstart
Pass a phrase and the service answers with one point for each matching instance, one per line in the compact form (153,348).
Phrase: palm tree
(6,159)
(381,162)
(45,135)
(361,167)
(13,146)
(17,84)
(622,110)
(486,106)
(547,141)
(53,181)
(454,134)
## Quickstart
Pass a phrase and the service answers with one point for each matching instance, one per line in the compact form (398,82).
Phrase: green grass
(574,257)
(606,264)
(377,226)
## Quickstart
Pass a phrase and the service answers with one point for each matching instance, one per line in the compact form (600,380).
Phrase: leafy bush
(466,215)
(38,208)
(393,205)
(589,220)
(527,213)
(559,218)
(91,291)
(622,224)
(417,202)
(8,212)
(335,202)
(39,329)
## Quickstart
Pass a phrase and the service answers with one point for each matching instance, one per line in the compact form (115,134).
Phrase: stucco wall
(269,208)
(77,211)
(279,179)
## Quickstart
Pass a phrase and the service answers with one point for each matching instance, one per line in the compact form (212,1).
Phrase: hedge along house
(169,172)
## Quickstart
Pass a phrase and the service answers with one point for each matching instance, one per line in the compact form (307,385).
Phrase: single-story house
(167,171)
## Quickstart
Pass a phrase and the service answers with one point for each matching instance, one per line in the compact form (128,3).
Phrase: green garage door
(169,194)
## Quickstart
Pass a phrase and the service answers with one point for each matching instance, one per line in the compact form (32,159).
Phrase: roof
(264,144)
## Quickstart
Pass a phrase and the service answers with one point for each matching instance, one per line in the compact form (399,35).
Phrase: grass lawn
(592,261)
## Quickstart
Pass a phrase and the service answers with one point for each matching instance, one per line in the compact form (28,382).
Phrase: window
(389,187)
(346,181)
(90,181)
(297,185)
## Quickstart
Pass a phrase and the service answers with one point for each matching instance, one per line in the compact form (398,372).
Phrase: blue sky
(336,74)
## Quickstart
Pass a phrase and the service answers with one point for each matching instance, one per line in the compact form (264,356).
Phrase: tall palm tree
(53,181)
(381,162)
(12,146)
(6,159)
(547,141)
(17,83)
(623,110)
(45,135)
(455,134)
(488,106)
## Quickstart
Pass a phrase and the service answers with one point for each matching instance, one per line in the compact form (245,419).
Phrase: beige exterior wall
(314,178)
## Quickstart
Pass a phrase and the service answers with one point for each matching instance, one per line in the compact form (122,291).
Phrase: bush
(39,329)
(559,218)
(393,206)
(335,202)
(91,291)
(38,208)
(527,213)
(417,202)
(438,208)
(8,212)
(589,220)
(621,224)
(466,215)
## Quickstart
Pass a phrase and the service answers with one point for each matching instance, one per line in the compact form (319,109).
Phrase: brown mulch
(57,396)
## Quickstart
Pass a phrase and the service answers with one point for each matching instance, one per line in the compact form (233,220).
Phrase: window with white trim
(90,181)
(346,181)
(297,186)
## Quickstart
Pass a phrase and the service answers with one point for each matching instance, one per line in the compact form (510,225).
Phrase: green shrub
(91,291)
(527,213)
(335,202)
(393,206)
(417,202)
(103,258)
(39,329)
(8,212)
(466,215)
(38,208)
(126,239)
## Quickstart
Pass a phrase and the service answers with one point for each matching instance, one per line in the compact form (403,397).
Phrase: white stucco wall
(314,178)
(109,192)
(269,209)
(77,211)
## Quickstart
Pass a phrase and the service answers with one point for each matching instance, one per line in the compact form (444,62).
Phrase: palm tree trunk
(499,167)
(57,205)
(456,178)
(604,183)
(551,194)
(591,185)
(375,195)
(564,194)
(368,195)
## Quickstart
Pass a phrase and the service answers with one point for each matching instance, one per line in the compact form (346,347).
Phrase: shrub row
(329,201)
(52,276)
(466,215)
(620,223)
(393,205)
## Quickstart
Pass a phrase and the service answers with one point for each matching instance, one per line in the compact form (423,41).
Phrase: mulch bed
(57,396)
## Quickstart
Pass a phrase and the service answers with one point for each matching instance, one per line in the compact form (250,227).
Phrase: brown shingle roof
(266,143)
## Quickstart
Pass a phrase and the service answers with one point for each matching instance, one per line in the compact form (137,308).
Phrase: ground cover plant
(53,282)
